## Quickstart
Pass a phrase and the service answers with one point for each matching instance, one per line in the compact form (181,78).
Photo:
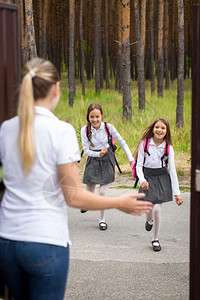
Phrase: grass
(182,188)
(131,130)
(124,187)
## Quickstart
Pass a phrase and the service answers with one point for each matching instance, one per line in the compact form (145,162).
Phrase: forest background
(131,56)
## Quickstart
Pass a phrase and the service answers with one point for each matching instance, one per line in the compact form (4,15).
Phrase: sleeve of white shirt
(68,148)
(121,141)
(172,172)
(140,161)
(86,145)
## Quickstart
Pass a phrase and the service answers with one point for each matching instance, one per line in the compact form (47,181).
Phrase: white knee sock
(149,217)
(156,220)
(102,191)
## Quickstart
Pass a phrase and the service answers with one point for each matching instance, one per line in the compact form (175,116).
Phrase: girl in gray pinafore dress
(100,166)
(156,181)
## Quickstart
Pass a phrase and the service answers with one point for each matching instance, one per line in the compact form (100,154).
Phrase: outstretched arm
(77,197)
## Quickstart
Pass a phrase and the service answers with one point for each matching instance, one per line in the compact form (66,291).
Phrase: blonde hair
(38,76)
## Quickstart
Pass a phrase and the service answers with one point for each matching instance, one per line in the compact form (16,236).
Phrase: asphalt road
(119,263)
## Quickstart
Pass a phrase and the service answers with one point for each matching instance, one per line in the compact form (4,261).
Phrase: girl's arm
(76,197)
(174,177)
(121,141)
(139,166)
(86,145)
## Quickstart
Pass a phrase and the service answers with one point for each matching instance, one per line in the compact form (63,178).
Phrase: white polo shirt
(33,208)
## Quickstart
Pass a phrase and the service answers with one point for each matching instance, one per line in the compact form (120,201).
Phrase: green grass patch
(124,187)
(184,188)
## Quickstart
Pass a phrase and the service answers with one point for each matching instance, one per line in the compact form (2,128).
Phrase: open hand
(130,205)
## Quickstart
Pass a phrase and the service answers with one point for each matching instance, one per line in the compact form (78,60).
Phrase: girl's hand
(128,204)
(179,199)
(145,185)
(131,162)
(103,151)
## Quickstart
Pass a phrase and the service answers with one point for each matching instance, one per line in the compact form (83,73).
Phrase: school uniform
(101,170)
(163,182)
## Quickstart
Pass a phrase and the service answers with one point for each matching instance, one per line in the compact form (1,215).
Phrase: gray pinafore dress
(100,170)
(160,189)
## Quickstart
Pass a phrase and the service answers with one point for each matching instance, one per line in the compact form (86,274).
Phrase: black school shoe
(156,245)
(103,226)
(148,226)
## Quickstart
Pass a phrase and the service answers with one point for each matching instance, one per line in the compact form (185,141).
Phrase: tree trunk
(140,59)
(88,39)
(152,47)
(29,48)
(106,47)
(127,106)
(119,77)
(166,52)
(173,48)
(180,79)
(111,20)
(143,26)
(71,53)
(100,44)
(81,47)
(96,47)
(160,49)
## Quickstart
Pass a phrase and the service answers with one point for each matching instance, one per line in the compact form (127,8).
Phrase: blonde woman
(39,155)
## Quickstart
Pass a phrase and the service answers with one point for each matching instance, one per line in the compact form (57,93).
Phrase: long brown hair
(148,133)
(38,76)
(91,108)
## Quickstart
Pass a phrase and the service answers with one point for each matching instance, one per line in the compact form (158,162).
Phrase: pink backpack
(146,144)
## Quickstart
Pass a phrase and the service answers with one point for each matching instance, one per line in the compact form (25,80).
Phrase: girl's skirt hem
(100,170)
(160,190)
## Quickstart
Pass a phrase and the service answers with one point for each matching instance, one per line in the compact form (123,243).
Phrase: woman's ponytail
(37,79)
(26,122)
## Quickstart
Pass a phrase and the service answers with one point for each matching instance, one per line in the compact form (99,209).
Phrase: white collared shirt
(33,208)
(154,161)
(100,140)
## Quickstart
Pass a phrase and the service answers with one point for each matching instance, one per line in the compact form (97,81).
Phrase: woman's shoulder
(60,127)
(65,125)
(8,124)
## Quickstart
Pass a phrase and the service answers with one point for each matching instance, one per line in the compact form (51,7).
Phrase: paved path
(120,264)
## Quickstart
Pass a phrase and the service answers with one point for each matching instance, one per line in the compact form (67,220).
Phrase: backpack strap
(165,154)
(146,144)
(111,144)
(110,137)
